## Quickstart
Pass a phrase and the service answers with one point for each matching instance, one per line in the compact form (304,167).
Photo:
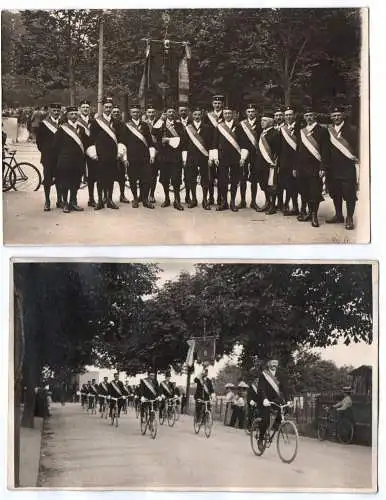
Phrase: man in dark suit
(103,390)
(116,390)
(195,157)
(118,126)
(148,390)
(253,399)
(45,135)
(83,125)
(169,134)
(343,167)
(311,165)
(266,160)
(185,119)
(166,390)
(68,153)
(287,162)
(150,120)
(140,149)
(272,388)
(104,140)
(213,118)
(230,154)
(204,391)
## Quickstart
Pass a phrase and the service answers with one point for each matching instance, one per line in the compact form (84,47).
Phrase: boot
(47,206)
(349,223)
(135,203)
(166,203)
(242,204)
(66,208)
(177,205)
(336,219)
(233,206)
(314,215)
(123,199)
(254,206)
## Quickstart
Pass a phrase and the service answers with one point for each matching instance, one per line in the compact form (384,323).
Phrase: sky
(353,355)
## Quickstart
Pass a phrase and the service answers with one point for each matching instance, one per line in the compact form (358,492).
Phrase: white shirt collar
(169,122)
(252,122)
(85,118)
(338,128)
(310,128)
(217,113)
(291,125)
(55,120)
(72,124)
(136,122)
(185,120)
(107,118)
(197,124)
(229,124)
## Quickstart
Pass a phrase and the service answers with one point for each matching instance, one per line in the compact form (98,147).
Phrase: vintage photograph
(188,375)
(185,126)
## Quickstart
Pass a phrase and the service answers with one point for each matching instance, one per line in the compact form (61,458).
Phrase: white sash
(84,125)
(150,386)
(249,133)
(104,126)
(288,137)
(51,127)
(137,133)
(342,148)
(308,144)
(213,119)
(254,388)
(116,387)
(272,383)
(165,387)
(105,387)
(193,137)
(73,136)
(205,387)
(226,133)
(265,154)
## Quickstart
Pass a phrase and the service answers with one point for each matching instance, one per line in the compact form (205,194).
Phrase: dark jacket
(227,153)
(204,389)
(339,166)
(307,164)
(149,389)
(103,389)
(195,156)
(266,390)
(273,138)
(45,140)
(167,153)
(166,389)
(136,148)
(113,392)
(287,154)
(68,153)
(106,146)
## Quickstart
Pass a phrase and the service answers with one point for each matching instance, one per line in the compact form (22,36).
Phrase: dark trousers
(140,170)
(228,173)
(343,189)
(311,188)
(119,404)
(238,416)
(265,413)
(145,407)
(171,175)
(106,175)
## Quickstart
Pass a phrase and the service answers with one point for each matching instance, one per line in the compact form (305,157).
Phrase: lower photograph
(182,375)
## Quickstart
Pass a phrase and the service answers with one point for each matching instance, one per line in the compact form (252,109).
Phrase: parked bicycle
(149,420)
(332,424)
(20,176)
(287,436)
(204,419)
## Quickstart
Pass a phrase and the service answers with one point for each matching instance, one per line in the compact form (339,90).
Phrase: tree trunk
(100,66)
(287,93)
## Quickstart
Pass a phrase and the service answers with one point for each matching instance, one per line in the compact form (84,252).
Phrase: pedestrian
(228,401)
(238,408)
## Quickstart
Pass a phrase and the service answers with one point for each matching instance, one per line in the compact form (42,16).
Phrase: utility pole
(100,65)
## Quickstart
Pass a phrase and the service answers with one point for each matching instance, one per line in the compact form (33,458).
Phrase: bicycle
(330,424)
(91,404)
(205,419)
(178,408)
(169,412)
(137,406)
(20,176)
(114,412)
(287,435)
(125,404)
(104,406)
(149,421)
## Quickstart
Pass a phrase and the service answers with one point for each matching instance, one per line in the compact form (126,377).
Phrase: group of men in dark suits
(274,153)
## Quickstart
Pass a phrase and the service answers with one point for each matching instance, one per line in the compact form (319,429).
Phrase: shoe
(177,205)
(315,222)
(260,444)
(285,209)
(91,203)
(111,204)
(222,207)
(211,200)
(349,224)
(291,213)
(254,206)
(336,219)
(301,216)
(241,205)
(234,208)
(147,204)
(263,208)
(47,206)
(308,217)
(123,199)
(206,206)
(193,204)
(166,203)
(271,211)
(66,208)
(74,207)
(59,204)
(151,199)
(135,204)
(187,200)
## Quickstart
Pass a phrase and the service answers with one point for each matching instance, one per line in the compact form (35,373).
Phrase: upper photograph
(185,126)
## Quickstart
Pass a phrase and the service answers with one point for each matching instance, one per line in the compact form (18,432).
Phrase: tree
(230,374)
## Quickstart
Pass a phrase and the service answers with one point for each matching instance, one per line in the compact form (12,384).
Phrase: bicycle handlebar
(281,407)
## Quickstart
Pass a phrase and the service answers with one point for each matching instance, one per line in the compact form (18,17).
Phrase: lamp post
(100,64)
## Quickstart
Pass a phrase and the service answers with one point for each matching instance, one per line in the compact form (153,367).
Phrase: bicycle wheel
(321,430)
(153,426)
(102,411)
(208,423)
(171,416)
(196,424)
(116,419)
(9,177)
(162,417)
(136,411)
(178,413)
(112,416)
(254,438)
(144,424)
(28,177)
(287,441)
(345,430)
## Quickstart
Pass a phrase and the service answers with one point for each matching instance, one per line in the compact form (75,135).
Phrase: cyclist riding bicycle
(272,389)
(166,391)
(103,392)
(344,406)
(149,390)
(116,390)
(204,391)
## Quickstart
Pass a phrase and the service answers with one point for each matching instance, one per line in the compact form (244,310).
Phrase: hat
(150,106)
(228,386)
(279,110)
(227,107)
(107,100)
(267,114)
(347,388)
(85,101)
(337,109)
(115,106)
(197,108)
(308,109)
(218,97)
(136,106)
(289,108)
(55,105)
(183,105)
(251,106)
(69,109)
(242,385)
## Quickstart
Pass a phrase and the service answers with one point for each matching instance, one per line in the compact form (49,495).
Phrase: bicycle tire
(9,177)
(153,427)
(196,424)
(254,438)
(112,416)
(178,414)
(208,423)
(143,424)
(116,419)
(287,432)
(162,417)
(345,433)
(321,431)
(137,411)
(171,416)
(32,186)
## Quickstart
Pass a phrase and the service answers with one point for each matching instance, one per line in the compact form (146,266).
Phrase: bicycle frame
(204,409)
(281,409)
